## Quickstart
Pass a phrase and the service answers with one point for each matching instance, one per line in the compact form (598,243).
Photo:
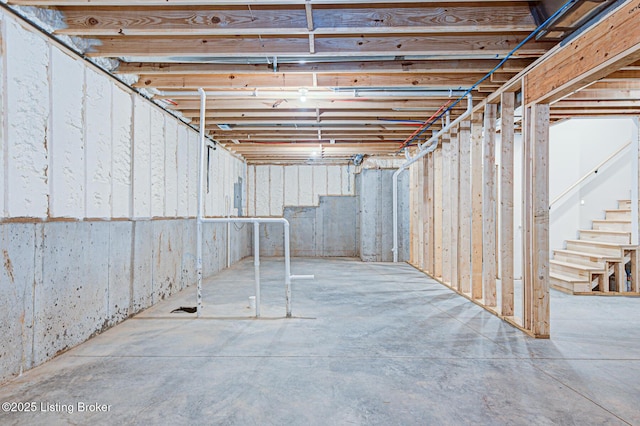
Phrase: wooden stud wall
(489,207)
(458,239)
(476,206)
(506,202)
(446,209)
(464,207)
(437,212)
(453,195)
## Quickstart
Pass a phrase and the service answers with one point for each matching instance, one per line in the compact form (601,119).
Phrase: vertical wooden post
(506,202)
(464,207)
(426,214)
(489,206)
(446,208)
(419,165)
(476,206)
(437,211)
(412,224)
(527,285)
(453,195)
(540,203)
(431,201)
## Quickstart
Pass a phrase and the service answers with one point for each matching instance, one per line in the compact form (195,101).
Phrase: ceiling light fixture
(303,95)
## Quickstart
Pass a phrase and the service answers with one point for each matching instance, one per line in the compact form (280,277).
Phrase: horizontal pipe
(287,256)
(311,94)
(429,146)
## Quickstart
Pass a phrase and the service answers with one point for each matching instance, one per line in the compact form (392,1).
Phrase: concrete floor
(371,343)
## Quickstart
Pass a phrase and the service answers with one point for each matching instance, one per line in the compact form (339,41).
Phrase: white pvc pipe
(424,149)
(229,245)
(256,263)
(199,215)
(294,94)
(287,257)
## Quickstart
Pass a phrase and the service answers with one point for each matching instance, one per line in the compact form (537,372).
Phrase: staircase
(602,260)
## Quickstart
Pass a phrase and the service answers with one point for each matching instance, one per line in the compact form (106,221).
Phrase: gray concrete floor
(371,343)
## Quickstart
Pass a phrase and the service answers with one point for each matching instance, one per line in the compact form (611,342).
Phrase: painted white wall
(76,144)
(271,188)
(576,147)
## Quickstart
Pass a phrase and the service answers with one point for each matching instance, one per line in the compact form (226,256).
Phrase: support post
(464,208)
(540,204)
(489,207)
(453,195)
(476,206)
(437,212)
(446,208)
(426,214)
(506,202)
(526,219)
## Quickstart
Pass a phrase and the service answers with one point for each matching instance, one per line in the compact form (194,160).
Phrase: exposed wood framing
(489,207)
(453,212)
(464,208)
(418,168)
(476,206)
(446,208)
(540,204)
(431,261)
(506,202)
(606,47)
(427,216)
(437,212)
(527,220)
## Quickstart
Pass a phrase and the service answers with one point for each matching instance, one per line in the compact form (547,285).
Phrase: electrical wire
(562,9)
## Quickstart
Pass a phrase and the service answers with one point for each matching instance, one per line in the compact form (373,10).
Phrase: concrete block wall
(97,201)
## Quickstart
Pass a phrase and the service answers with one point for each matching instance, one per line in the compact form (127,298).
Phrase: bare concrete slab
(370,343)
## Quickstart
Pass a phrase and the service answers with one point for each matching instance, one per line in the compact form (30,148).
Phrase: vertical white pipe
(228,206)
(394,185)
(256,263)
(203,100)
(287,269)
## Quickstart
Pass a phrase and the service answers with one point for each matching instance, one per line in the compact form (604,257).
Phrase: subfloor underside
(370,343)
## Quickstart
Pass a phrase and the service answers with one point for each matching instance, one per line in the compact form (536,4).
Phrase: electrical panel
(237,195)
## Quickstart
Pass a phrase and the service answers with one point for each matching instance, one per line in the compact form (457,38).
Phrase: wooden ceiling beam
(408,115)
(282,80)
(607,46)
(400,66)
(336,46)
(192,107)
(264,20)
(160,3)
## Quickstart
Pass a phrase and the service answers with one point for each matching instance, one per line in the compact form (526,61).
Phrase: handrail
(589,173)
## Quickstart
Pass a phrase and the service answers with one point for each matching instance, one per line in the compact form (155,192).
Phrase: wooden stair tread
(575,266)
(618,210)
(566,278)
(585,254)
(605,231)
(611,221)
(597,243)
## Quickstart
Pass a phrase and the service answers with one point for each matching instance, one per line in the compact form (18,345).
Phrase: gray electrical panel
(237,196)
